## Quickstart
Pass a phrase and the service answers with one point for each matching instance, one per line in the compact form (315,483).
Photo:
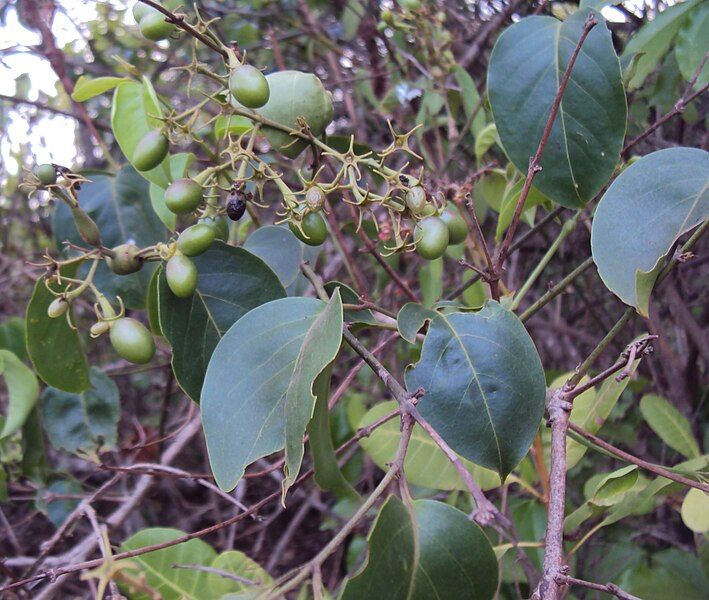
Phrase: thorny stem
(534,166)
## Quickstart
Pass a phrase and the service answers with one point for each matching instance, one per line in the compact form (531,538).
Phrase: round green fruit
(140,10)
(57,307)
(46,174)
(416,200)
(431,238)
(181,275)
(457,227)
(295,94)
(132,340)
(183,195)
(126,260)
(154,26)
(150,151)
(314,230)
(220,226)
(249,86)
(196,239)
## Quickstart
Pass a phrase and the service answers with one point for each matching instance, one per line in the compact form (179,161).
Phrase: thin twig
(608,588)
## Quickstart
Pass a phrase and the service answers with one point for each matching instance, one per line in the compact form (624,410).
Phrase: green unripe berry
(219,225)
(126,260)
(183,196)
(315,198)
(457,227)
(99,328)
(154,26)
(85,225)
(314,230)
(249,86)
(57,307)
(132,340)
(150,151)
(46,174)
(140,10)
(181,275)
(431,238)
(416,200)
(196,239)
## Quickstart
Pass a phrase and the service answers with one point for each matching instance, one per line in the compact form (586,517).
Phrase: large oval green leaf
(644,211)
(435,553)
(159,569)
(526,66)
(256,370)
(279,249)
(66,369)
(484,385)
(671,425)
(121,208)
(231,281)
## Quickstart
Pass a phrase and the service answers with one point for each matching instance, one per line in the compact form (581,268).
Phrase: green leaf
(152,303)
(158,566)
(244,392)
(486,137)
(425,463)
(695,510)
(526,66)
(237,563)
(235,125)
(12,337)
(349,296)
(612,488)
(57,508)
(121,209)
(22,392)
(34,456)
(318,349)
(655,39)
(133,114)
(85,423)
(509,204)
(66,369)
(231,281)
(668,423)
(87,88)
(328,475)
(692,44)
(434,553)
(178,169)
(411,318)
(471,100)
(651,204)
(279,249)
(484,384)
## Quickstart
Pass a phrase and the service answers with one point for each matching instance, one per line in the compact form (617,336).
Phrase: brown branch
(608,588)
(643,464)
(534,166)
(51,109)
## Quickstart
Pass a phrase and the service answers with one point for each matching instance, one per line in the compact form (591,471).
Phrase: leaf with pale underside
(645,210)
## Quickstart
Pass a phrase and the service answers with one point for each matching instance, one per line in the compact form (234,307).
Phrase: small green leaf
(318,349)
(509,204)
(158,567)
(12,337)
(67,370)
(436,552)
(22,391)
(668,423)
(237,563)
(612,488)
(244,392)
(471,100)
(484,385)
(425,464)
(693,44)
(87,88)
(695,510)
(526,66)
(84,423)
(655,200)
(411,318)
(231,281)
(485,139)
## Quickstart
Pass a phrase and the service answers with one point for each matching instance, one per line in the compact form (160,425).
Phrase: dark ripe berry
(235,208)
